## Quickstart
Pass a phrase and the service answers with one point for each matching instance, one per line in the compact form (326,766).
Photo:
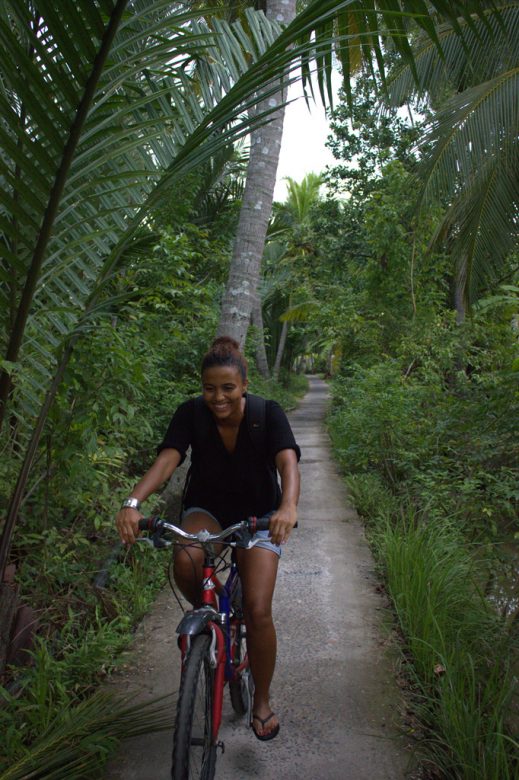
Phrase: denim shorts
(263,536)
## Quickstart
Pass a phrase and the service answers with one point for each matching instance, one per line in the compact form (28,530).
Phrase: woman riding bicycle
(230,479)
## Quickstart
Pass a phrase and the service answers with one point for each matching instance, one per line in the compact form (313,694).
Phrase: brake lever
(246,538)
(156,541)
(252,543)
(145,540)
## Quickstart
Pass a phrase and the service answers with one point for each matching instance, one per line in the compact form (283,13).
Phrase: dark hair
(225,351)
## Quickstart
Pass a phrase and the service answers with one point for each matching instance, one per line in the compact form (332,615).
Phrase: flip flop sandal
(263,721)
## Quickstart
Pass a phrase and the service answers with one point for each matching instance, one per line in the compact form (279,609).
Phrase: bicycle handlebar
(251,525)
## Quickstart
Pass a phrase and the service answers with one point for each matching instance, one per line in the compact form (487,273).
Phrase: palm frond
(487,47)
(365,30)
(301,312)
(92,221)
(482,224)
(302,196)
(473,168)
(470,148)
(274,252)
(78,742)
(509,297)
(478,123)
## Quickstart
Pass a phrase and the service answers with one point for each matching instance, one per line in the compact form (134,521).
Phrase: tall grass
(79,739)
(459,649)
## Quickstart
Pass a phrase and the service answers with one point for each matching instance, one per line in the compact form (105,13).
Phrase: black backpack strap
(256,417)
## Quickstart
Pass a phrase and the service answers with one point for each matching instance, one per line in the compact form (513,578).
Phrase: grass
(79,739)
(458,649)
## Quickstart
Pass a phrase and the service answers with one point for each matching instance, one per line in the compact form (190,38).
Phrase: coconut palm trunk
(256,206)
(280,351)
(260,350)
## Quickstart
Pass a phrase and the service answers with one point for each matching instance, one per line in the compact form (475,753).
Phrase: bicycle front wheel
(194,754)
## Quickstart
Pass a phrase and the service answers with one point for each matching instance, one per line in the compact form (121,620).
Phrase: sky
(303,148)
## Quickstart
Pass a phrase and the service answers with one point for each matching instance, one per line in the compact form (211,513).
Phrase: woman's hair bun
(225,344)
(225,351)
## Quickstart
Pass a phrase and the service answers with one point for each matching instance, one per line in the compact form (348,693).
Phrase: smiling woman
(223,392)
(231,478)
(224,382)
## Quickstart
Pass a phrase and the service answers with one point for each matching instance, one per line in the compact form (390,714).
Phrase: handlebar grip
(258,524)
(150,524)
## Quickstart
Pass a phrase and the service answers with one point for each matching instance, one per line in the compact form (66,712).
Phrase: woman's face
(222,390)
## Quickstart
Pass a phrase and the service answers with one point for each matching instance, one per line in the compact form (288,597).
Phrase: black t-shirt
(232,486)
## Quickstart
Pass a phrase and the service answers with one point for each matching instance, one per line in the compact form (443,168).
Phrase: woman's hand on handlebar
(281,524)
(127,522)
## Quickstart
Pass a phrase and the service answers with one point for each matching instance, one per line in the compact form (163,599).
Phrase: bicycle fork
(218,663)
(201,622)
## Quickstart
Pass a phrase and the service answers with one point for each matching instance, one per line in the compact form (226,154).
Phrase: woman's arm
(285,517)
(127,520)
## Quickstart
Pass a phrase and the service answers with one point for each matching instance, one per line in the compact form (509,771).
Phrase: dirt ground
(334,689)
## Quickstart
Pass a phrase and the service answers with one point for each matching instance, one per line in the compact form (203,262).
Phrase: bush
(287,392)
(427,443)
(448,450)
(82,637)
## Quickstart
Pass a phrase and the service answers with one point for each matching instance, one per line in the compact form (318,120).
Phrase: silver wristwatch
(131,503)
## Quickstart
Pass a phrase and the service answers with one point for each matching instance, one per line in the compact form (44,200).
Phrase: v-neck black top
(232,486)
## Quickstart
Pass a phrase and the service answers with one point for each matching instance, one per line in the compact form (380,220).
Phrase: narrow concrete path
(334,688)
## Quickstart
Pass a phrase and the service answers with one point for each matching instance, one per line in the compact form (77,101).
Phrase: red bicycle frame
(212,586)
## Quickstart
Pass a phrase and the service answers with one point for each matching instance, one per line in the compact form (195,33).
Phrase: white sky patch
(305,132)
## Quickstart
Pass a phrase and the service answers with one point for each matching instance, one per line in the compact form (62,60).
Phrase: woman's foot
(265,723)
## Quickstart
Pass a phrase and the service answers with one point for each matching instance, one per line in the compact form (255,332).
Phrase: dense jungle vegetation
(423,424)
(410,313)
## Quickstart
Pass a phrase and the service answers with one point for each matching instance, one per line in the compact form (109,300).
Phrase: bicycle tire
(237,599)
(194,754)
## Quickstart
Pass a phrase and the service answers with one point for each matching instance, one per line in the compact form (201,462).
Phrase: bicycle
(212,641)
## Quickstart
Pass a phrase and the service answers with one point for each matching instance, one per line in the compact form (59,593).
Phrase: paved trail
(334,687)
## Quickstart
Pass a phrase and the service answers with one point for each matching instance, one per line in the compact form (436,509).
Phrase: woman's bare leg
(258,569)
(189,558)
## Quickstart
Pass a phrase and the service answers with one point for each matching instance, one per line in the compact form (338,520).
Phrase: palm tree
(244,272)
(472,165)
(301,198)
(285,249)
(360,23)
(294,214)
(105,103)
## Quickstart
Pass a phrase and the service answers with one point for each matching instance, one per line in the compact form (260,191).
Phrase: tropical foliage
(473,142)
(285,286)
(422,416)
(101,114)
(86,593)
(121,184)
(422,428)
